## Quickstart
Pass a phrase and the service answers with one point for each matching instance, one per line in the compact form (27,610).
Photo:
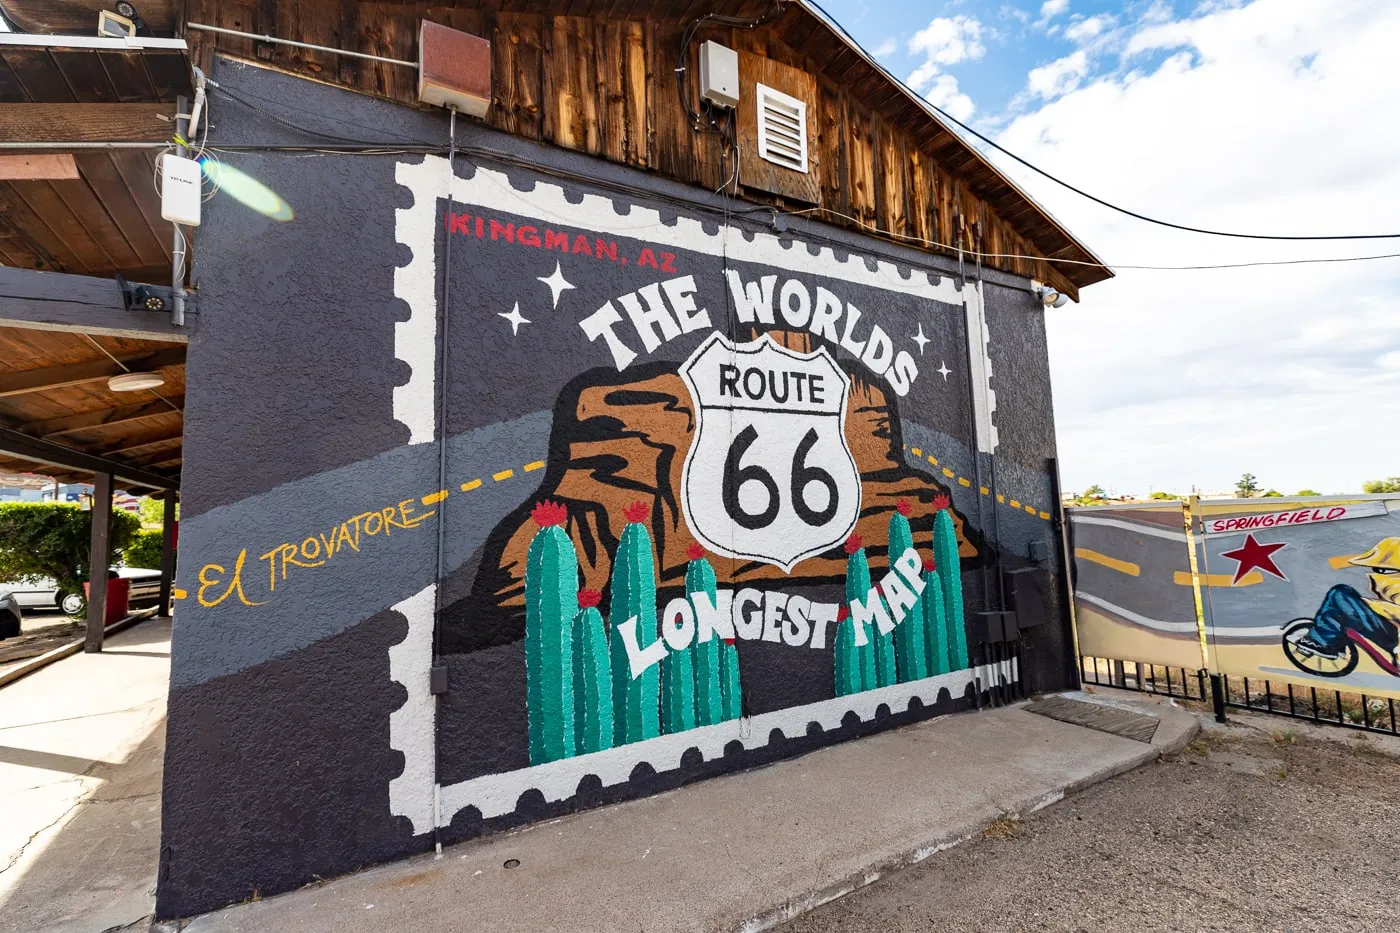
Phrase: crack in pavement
(38,832)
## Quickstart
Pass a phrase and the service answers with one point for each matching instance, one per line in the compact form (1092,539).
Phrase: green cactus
(678,690)
(731,692)
(709,678)
(593,700)
(910,648)
(848,675)
(945,554)
(857,588)
(551,599)
(935,622)
(636,702)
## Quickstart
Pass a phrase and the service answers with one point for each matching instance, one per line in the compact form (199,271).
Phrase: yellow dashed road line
(474,484)
(1112,563)
(532,467)
(1183,578)
(964,481)
(503,475)
(435,498)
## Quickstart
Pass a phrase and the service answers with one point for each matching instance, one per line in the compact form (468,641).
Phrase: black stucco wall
(280,754)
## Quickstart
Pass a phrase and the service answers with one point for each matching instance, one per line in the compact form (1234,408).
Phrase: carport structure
(82,120)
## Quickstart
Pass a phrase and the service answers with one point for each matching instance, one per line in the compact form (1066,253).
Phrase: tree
(1247,486)
(1273,494)
(1309,492)
(1094,492)
(1163,495)
(52,539)
(1375,486)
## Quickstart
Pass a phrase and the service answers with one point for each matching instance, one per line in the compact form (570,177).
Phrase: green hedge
(52,539)
(144,549)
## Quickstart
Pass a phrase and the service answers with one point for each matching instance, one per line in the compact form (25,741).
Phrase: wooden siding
(602,82)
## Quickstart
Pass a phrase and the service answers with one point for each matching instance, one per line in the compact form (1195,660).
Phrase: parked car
(10,616)
(44,593)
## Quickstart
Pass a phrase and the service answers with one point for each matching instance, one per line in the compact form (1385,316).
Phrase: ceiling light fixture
(135,382)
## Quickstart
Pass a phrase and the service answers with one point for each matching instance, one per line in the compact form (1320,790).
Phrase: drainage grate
(1136,726)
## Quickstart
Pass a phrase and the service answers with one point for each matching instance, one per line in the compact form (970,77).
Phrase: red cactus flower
(587,599)
(842,613)
(548,514)
(904,508)
(853,544)
(929,565)
(637,512)
(941,502)
(694,552)
(728,641)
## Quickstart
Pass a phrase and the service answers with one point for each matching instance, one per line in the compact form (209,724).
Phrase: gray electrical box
(719,74)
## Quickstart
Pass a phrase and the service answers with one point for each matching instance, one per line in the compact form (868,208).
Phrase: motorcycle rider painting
(1344,608)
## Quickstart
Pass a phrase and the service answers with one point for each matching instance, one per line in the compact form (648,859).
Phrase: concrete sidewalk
(742,852)
(81,751)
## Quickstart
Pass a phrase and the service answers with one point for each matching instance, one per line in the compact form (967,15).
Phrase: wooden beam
(55,124)
(99,559)
(104,417)
(36,166)
(167,556)
(33,450)
(70,374)
(147,445)
(81,304)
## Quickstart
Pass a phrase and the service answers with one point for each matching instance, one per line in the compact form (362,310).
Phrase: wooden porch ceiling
(53,387)
(107,220)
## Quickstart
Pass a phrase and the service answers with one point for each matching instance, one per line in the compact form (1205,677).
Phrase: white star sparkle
(515,318)
(557,283)
(943,370)
(920,339)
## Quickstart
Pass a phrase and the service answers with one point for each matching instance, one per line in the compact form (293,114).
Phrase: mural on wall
(1305,591)
(1134,591)
(658,496)
(724,521)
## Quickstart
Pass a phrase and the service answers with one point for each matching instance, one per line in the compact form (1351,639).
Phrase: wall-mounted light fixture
(1050,297)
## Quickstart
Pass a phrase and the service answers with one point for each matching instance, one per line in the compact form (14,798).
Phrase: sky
(1259,116)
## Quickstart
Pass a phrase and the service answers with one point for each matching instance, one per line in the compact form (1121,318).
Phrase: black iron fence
(1322,706)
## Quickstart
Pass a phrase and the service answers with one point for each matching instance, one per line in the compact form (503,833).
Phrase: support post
(1217,695)
(167,555)
(99,560)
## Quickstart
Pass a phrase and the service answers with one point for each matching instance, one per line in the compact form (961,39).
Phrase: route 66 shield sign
(769,476)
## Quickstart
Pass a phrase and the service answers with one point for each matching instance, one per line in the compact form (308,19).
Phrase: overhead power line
(1080,191)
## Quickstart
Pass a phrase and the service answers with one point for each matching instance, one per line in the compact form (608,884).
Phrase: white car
(43,592)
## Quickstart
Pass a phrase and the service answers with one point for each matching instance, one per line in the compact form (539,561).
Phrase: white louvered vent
(782,129)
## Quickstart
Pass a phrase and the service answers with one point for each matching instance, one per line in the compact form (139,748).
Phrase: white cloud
(1059,77)
(946,41)
(1168,380)
(949,40)
(945,95)
(1052,8)
(886,48)
(1090,27)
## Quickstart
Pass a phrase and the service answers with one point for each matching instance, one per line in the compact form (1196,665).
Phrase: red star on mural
(1255,556)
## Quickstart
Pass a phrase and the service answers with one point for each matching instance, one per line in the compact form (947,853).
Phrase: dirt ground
(39,632)
(1260,826)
